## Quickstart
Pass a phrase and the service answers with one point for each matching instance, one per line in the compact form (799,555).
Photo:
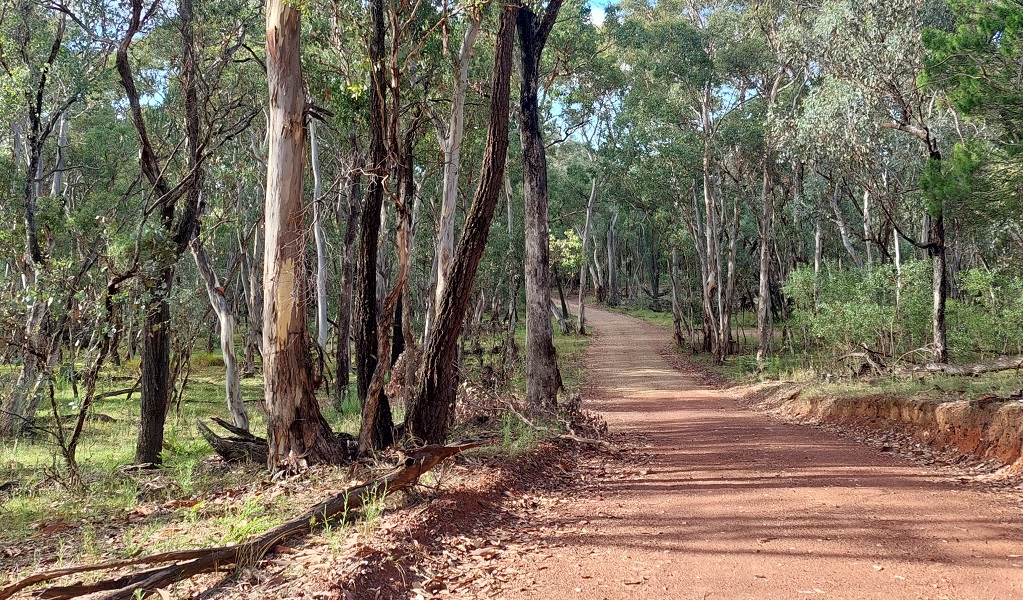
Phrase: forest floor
(696,495)
(712,500)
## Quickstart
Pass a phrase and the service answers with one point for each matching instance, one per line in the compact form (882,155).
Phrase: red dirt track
(739,505)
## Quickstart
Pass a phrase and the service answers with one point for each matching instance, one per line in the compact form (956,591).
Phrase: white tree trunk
(866,229)
(57,188)
(232,377)
(450,137)
(842,229)
(582,264)
(322,327)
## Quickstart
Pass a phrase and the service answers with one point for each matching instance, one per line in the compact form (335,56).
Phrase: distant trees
(750,165)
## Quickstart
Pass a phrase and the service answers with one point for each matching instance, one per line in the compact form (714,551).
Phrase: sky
(597,11)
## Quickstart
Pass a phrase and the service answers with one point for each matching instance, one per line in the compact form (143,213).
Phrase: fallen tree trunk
(1004,363)
(241,447)
(208,560)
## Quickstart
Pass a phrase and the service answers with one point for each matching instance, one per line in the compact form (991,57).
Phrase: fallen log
(243,446)
(1004,363)
(209,560)
(240,447)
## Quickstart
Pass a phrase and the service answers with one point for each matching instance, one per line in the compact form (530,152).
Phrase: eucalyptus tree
(297,432)
(48,63)
(976,58)
(874,48)
(680,58)
(431,401)
(366,355)
(449,135)
(543,379)
(210,117)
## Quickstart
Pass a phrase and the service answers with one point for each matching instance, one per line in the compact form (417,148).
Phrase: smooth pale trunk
(252,287)
(939,285)
(225,314)
(764,306)
(322,327)
(449,136)
(866,229)
(818,246)
(612,260)
(583,266)
(711,289)
(842,229)
(57,186)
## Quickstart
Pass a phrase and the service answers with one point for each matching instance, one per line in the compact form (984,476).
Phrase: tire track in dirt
(736,504)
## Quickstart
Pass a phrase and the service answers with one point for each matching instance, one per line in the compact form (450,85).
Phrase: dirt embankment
(981,430)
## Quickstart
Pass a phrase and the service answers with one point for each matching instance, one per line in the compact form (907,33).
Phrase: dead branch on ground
(208,560)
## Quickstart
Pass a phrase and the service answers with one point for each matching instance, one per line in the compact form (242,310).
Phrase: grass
(45,514)
(189,501)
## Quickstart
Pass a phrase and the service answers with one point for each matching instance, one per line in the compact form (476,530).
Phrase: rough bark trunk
(366,355)
(156,379)
(432,401)
(179,225)
(297,432)
(343,356)
(543,380)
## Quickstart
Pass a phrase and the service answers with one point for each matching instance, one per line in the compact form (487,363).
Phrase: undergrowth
(195,500)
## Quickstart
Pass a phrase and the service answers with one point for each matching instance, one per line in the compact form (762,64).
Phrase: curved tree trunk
(432,400)
(449,136)
(225,314)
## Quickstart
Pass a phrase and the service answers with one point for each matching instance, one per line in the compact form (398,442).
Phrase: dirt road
(738,505)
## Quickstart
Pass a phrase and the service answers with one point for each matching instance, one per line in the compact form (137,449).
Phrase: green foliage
(567,251)
(976,60)
(955,181)
(840,311)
